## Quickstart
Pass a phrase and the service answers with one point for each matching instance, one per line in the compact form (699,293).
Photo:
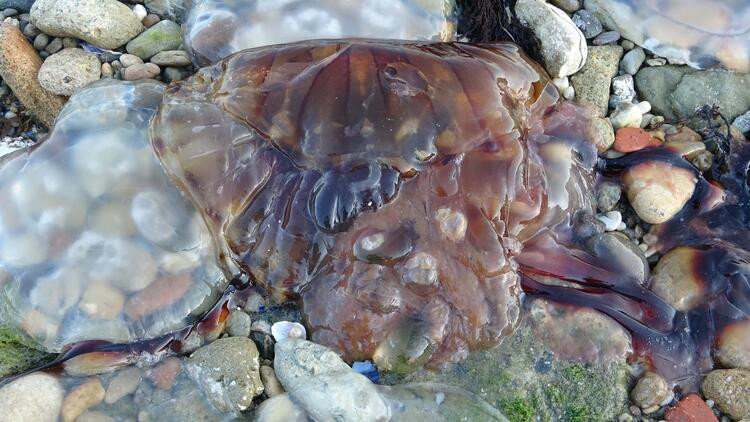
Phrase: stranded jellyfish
(95,242)
(389,186)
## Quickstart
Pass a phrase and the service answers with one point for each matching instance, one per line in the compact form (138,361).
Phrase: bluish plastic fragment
(367,369)
(91,48)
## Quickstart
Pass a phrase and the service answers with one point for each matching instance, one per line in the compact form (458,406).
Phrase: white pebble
(284,330)
(644,106)
(569,93)
(611,220)
(140,11)
(561,83)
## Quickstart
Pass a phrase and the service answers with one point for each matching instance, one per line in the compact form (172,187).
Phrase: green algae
(527,383)
(17,353)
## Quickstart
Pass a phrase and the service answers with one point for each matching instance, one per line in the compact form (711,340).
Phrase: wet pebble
(36,397)
(141,71)
(607,196)
(690,408)
(626,114)
(730,390)
(104,23)
(165,35)
(733,345)
(66,72)
(165,373)
(609,37)
(658,190)
(629,139)
(563,46)
(124,383)
(175,58)
(592,84)
(587,23)
(102,301)
(742,123)
(569,6)
(81,398)
(227,371)
(239,324)
(285,330)
(675,281)
(272,386)
(651,392)
(611,220)
(54,46)
(151,20)
(128,60)
(633,60)
(41,41)
(312,373)
(140,12)
(602,134)
(623,89)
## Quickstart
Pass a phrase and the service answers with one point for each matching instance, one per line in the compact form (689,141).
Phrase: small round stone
(651,392)
(626,114)
(633,60)
(658,190)
(607,196)
(140,11)
(239,324)
(81,398)
(176,58)
(41,41)
(675,281)
(66,72)
(602,134)
(587,23)
(151,20)
(605,38)
(141,71)
(733,345)
(128,60)
(54,46)
(730,390)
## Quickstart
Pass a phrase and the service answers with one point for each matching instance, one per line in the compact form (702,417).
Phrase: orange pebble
(690,409)
(629,139)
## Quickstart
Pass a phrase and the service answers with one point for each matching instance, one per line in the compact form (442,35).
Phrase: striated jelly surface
(701,33)
(387,185)
(95,241)
(215,29)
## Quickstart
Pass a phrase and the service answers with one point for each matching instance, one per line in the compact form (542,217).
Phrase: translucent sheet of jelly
(215,29)
(509,162)
(701,33)
(89,215)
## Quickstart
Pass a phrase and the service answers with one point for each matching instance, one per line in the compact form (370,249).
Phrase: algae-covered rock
(17,354)
(527,381)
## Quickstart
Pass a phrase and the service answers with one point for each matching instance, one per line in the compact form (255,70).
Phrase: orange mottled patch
(690,409)
(629,139)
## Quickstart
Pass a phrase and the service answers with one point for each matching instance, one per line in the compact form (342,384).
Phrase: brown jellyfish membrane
(386,185)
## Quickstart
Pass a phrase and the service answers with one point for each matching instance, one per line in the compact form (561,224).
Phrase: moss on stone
(526,382)
(17,353)
(518,410)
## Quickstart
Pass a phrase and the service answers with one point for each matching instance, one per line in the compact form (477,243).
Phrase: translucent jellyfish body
(214,29)
(388,185)
(95,242)
(701,33)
